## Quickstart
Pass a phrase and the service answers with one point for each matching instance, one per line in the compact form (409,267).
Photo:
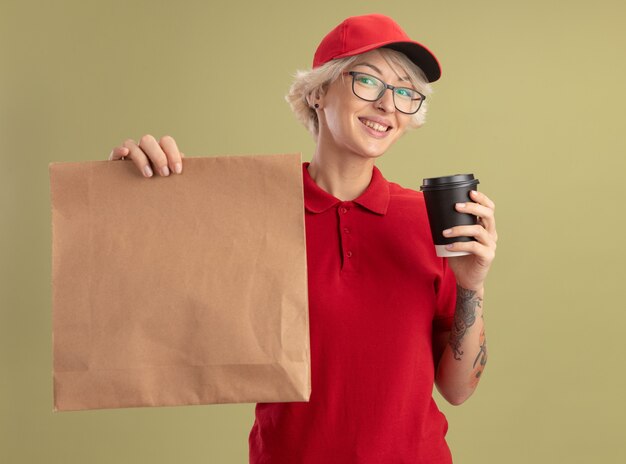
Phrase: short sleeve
(445,289)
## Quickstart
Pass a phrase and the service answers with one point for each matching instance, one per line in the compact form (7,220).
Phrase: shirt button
(349,254)
(344,210)
(346,230)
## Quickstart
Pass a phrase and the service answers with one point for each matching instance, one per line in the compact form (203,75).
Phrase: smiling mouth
(374,125)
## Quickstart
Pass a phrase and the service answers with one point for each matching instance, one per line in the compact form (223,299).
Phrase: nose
(385,102)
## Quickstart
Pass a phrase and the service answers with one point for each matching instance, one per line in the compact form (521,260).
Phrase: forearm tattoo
(464,317)
(481,359)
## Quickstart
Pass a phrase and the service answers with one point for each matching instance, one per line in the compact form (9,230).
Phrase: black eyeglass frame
(384,89)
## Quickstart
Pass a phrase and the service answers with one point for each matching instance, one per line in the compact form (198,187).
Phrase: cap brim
(415,51)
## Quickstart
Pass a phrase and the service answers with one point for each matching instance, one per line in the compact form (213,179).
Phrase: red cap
(360,34)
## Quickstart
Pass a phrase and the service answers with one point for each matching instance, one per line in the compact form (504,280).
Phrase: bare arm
(464,356)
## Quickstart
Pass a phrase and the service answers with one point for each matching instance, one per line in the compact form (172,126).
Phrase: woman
(388,318)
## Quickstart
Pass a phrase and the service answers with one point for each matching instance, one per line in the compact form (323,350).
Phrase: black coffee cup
(441,195)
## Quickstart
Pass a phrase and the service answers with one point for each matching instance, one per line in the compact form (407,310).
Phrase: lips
(377,125)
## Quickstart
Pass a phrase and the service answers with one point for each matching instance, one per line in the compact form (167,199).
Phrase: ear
(309,100)
(313,99)
(316,97)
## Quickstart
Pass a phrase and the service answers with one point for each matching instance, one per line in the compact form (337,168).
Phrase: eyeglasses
(370,88)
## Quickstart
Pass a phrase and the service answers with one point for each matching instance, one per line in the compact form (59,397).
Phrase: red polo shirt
(377,291)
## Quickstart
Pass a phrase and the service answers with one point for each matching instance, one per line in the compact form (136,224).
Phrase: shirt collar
(375,197)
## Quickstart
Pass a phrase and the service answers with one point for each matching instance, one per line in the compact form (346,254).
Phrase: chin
(373,148)
(372,151)
(373,154)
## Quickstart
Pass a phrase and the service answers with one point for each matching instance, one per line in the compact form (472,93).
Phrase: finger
(153,151)
(174,158)
(484,213)
(477,231)
(487,254)
(481,198)
(118,153)
(139,158)
(475,209)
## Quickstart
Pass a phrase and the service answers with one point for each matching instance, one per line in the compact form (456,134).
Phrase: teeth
(374,125)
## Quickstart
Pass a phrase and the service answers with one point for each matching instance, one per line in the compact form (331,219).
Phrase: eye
(407,93)
(366,80)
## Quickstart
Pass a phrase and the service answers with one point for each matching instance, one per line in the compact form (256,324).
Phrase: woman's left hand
(471,270)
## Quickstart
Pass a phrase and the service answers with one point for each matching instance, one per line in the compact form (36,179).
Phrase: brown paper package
(180,290)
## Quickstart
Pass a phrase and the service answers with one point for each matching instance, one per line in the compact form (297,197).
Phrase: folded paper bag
(180,290)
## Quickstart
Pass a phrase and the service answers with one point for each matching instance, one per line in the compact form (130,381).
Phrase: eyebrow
(405,78)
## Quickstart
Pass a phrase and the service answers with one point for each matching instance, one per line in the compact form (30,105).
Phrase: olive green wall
(531,100)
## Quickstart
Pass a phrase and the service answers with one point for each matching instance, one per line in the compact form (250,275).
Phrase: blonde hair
(314,83)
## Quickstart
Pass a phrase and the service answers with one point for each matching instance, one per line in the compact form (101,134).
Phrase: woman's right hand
(149,155)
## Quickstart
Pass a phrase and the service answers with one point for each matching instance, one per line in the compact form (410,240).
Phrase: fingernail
(450,246)
(178,167)
(165,171)
(447,232)
(460,205)
(147,171)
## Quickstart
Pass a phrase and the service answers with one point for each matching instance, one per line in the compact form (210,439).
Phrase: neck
(345,175)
